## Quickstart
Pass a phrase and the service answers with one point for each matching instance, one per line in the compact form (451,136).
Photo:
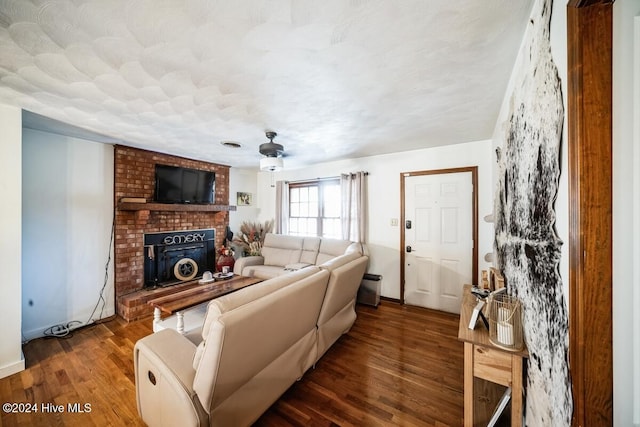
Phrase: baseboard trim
(13,368)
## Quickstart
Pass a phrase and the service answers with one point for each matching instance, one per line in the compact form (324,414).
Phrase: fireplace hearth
(177,256)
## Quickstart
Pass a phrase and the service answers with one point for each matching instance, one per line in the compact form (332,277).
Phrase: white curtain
(353,187)
(282,207)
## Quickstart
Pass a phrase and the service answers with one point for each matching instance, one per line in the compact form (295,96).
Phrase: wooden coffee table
(197,294)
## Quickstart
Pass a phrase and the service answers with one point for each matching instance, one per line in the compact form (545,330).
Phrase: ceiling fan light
(271,164)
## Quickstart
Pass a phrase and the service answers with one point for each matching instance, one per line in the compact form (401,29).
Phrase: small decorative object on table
(505,320)
(207,277)
(225,259)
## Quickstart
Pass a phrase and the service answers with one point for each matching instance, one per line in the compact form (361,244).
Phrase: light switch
(394,222)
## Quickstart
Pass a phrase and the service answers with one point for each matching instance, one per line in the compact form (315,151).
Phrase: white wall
(242,180)
(626,272)
(383,239)
(11,360)
(67,216)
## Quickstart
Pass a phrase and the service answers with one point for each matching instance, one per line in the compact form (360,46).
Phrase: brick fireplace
(134,178)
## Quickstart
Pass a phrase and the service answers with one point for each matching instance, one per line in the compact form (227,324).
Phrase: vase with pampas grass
(251,236)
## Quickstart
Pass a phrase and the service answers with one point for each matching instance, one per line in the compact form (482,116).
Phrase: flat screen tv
(184,185)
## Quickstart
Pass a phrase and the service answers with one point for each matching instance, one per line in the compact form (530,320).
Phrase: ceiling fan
(272,152)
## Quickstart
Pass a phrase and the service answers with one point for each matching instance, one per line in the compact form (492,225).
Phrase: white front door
(438,239)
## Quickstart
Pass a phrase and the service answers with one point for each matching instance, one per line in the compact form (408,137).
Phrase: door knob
(409,248)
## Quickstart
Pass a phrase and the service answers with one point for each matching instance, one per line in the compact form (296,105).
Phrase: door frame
(590,139)
(474,212)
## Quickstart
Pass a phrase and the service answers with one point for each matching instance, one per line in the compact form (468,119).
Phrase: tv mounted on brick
(183,185)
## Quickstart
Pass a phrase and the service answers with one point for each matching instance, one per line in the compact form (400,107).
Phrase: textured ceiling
(335,79)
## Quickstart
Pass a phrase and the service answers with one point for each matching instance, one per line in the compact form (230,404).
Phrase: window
(314,208)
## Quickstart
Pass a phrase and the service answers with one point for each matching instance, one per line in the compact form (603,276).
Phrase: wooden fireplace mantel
(173,207)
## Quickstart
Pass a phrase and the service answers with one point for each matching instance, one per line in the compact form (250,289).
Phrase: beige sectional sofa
(256,343)
(282,254)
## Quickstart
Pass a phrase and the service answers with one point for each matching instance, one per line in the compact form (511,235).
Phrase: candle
(504,326)
(505,333)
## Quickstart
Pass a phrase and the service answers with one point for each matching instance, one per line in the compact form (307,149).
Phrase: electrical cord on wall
(106,276)
(65,330)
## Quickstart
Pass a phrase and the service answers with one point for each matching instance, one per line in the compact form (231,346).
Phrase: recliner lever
(152,378)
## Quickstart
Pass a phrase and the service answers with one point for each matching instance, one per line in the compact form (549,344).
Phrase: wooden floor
(398,365)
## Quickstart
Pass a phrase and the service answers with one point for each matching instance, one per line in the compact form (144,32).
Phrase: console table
(483,359)
(178,302)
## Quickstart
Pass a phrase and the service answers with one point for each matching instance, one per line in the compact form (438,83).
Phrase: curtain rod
(327,178)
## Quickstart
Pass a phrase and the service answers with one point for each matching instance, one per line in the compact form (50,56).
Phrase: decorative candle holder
(505,322)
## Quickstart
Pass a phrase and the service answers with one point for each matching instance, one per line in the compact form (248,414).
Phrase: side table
(482,359)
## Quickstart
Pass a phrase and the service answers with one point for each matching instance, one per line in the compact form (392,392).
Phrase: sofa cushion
(248,338)
(339,261)
(228,302)
(296,266)
(233,300)
(346,275)
(280,249)
(242,262)
(310,249)
(338,313)
(264,271)
(331,248)
(166,397)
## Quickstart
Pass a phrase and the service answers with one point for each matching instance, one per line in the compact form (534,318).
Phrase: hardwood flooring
(399,365)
